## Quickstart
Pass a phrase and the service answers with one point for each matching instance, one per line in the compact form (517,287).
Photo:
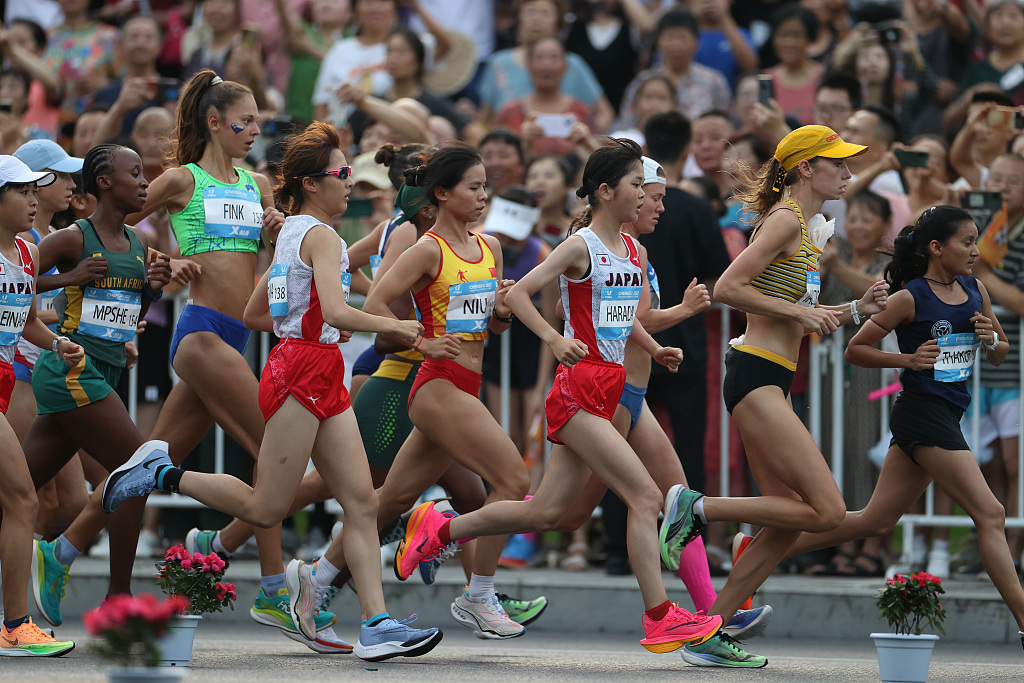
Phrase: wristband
(854,312)
(507,321)
(55,344)
(150,294)
(416,346)
(995,341)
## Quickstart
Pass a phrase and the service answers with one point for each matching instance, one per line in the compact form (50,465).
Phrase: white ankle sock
(325,573)
(698,509)
(940,545)
(218,546)
(480,587)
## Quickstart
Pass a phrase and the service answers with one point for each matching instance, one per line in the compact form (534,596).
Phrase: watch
(995,341)
(55,344)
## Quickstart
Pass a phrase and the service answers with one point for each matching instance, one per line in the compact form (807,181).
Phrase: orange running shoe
(421,542)
(28,640)
(739,543)
(678,628)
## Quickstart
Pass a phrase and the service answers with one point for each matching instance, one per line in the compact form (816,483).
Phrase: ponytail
(205,90)
(910,248)
(761,190)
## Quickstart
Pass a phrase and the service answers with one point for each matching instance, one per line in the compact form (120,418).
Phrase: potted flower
(128,629)
(909,604)
(197,578)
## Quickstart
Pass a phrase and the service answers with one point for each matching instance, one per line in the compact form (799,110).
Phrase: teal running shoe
(680,524)
(201,541)
(49,580)
(721,650)
(523,612)
(274,612)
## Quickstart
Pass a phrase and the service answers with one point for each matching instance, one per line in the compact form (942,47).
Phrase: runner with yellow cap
(775,282)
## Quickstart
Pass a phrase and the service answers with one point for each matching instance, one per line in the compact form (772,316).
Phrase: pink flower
(177,552)
(186,564)
(212,562)
(178,604)
(96,621)
(225,590)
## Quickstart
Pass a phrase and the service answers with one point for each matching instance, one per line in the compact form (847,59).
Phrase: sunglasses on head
(343,172)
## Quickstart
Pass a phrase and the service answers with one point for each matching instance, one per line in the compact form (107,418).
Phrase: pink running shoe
(678,628)
(421,542)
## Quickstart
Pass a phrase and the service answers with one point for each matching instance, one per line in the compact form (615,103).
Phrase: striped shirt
(793,278)
(1011,270)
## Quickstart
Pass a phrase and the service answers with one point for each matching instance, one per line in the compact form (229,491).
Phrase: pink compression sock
(693,570)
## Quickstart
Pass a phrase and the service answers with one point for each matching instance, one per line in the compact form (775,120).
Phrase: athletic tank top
(652,282)
(102,315)
(952,327)
(794,278)
(385,235)
(599,309)
(294,303)
(220,216)
(460,298)
(17,285)
(28,352)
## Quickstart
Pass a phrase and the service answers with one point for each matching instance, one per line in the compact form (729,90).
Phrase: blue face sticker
(237,127)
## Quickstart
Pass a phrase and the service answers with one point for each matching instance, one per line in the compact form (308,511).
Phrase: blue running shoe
(390,638)
(428,568)
(747,623)
(49,580)
(680,524)
(137,477)
(720,650)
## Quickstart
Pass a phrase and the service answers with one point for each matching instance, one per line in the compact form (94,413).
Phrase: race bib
(346,284)
(231,212)
(14,310)
(812,290)
(375,260)
(277,290)
(44,300)
(110,314)
(470,305)
(652,278)
(956,357)
(616,313)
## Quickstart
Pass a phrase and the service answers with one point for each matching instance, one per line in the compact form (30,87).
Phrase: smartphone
(911,158)
(555,125)
(360,207)
(765,89)
(983,200)
(1006,118)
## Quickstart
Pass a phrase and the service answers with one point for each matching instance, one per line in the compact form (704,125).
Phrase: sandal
(876,568)
(576,560)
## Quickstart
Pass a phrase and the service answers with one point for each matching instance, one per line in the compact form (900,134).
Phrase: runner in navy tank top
(942,316)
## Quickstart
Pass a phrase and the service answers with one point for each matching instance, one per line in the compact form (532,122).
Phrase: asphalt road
(252,654)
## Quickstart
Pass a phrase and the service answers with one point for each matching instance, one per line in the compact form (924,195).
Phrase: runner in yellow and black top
(77,406)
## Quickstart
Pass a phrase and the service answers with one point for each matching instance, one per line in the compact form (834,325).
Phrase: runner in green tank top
(78,407)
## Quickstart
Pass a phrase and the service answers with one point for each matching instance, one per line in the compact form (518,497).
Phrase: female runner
(303,298)
(601,275)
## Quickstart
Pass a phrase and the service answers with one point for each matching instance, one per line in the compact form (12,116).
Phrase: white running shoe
(938,563)
(486,618)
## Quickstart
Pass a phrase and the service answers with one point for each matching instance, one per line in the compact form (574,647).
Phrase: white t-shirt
(349,61)
(472,18)
(887,182)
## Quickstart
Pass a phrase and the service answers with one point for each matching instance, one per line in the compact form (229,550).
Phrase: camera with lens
(887,32)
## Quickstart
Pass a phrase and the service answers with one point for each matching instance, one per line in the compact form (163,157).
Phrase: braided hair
(98,161)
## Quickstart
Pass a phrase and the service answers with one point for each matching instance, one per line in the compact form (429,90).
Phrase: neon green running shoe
(49,580)
(274,612)
(680,524)
(721,650)
(523,612)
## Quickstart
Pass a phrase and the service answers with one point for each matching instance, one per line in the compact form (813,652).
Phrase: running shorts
(58,388)
(312,372)
(450,371)
(367,362)
(633,398)
(591,385)
(7,379)
(924,420)
(22,371)
(748,368)
(382,412)
(196,318)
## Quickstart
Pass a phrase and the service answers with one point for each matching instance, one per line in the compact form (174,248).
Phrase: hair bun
(386,154)
(414,177)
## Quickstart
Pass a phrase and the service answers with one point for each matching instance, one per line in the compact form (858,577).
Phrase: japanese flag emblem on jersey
(603,259)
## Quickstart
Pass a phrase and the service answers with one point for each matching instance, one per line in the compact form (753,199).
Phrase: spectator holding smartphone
(978,143)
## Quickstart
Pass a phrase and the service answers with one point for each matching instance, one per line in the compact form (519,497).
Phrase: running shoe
(327,596)
(396,534)
(421,542)
(522,611)
(28,640)
(274,612)
(487,618)
(390,638)
(304,604)
(680,524)
(677,628)
(428,568)
(137,477)
(1021,634)
(201,541)
(49,580)
(518,552)
(739,543)
(326,642)
(748,623)
(721,650)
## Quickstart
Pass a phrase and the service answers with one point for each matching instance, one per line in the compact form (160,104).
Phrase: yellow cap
(808,142)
